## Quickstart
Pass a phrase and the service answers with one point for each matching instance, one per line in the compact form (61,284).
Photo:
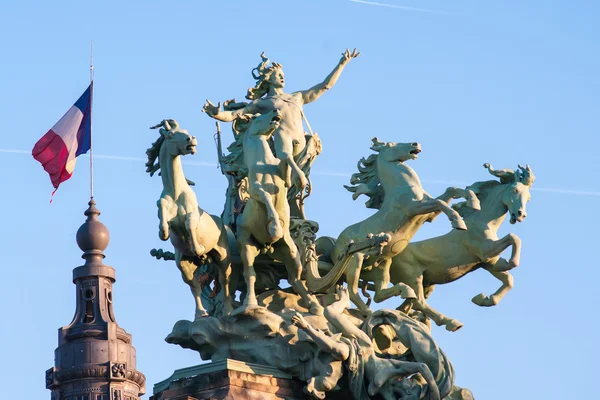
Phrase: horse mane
(152,165)
(366,181)
(481,190)
(233,163)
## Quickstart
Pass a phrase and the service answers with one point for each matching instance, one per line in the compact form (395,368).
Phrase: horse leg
(288,252)
(382,280)
(353,279)
(274,227)
(515,257)
(248,253)
(458,193)
(229,286)
(420,304)
(224,274)
(188,268)
(495,248)
(224,265)
(192,225)
(163,227)
(507,284)
(429,206)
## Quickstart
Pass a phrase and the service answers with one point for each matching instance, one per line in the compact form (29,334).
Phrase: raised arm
(317,91)
(227,116)
(338,349)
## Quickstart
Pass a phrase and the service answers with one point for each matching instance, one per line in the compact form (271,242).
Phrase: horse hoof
(163,235)
(453,325)
(474,203)
(480,300)
(406,292)
(504,268)
(459,224)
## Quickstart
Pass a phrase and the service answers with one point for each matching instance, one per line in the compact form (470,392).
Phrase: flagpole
(91,102)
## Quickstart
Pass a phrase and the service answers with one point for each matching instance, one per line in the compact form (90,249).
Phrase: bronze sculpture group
(311,332)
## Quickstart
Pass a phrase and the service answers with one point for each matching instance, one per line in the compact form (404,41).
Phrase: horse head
(396,152)
(177,142)
(517,194)
(383,168)
(264,124)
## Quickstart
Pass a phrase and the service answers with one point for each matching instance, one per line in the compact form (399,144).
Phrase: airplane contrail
(405,8)
(330,173)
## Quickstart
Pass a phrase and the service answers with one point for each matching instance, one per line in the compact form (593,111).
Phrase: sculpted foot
(459,224)
(343,295)
(342,302)
(200,314)
(315,307)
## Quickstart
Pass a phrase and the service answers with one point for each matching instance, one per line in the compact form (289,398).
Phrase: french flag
(70,137)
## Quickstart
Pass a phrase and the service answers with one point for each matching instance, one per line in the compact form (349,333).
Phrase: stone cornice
(219,366)
(112,372)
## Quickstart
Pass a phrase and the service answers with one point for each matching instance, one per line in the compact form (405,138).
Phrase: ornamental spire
(95,359)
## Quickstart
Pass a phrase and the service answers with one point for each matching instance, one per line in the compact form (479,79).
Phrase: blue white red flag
(70,137)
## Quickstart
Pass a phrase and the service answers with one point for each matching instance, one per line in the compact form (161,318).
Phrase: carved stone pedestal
(229,380)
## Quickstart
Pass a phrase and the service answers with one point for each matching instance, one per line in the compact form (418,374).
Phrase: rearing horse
(195,234)
(264,224)
(394,189)
(446,258)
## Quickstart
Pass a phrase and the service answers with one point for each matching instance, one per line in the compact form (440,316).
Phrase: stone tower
(95,359)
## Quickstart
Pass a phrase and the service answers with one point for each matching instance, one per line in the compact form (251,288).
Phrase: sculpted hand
(347,56)
(299,320)
(211,109)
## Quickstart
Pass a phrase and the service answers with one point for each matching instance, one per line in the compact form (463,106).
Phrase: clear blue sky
(473,81)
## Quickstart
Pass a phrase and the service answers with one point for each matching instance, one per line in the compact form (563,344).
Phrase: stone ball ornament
(93,234)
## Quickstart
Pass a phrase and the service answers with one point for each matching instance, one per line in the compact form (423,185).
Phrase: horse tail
(160,253)
(317,283)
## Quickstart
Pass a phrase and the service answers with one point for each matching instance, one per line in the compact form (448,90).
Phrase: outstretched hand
(347,56)
(211,109)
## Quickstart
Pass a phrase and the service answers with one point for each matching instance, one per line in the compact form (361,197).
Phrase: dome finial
(92,236)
